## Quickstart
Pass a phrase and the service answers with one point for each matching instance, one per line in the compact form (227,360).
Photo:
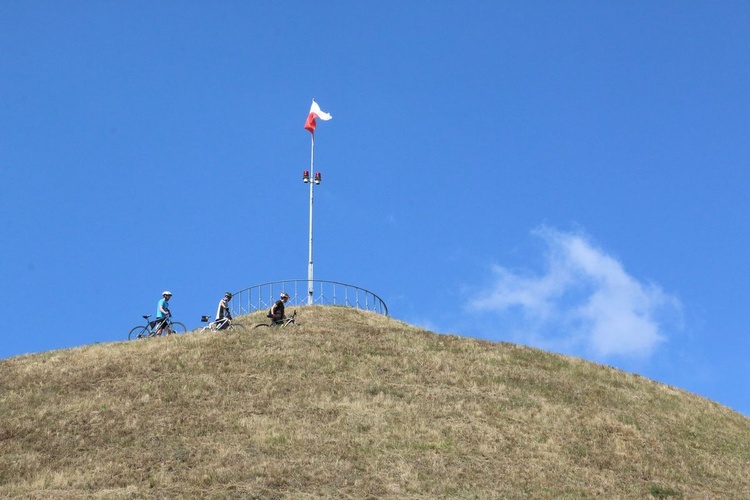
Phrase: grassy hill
(354,405)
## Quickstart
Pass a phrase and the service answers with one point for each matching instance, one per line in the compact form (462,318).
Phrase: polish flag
(315,112)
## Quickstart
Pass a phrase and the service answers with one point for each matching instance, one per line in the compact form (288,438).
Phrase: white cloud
(584,301)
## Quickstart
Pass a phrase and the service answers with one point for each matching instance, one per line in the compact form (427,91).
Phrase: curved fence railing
(262,297)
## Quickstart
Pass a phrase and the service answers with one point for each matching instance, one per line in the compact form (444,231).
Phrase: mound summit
(351,404)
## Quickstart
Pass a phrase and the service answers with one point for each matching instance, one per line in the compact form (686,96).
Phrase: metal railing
(262,297)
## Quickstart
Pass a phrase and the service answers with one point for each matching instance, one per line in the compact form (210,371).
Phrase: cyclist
(223,316)
(277,309)
(162,312)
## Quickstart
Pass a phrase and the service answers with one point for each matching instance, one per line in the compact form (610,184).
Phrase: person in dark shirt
(277,310)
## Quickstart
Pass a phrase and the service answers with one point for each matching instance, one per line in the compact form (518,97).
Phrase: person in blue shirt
(162,311)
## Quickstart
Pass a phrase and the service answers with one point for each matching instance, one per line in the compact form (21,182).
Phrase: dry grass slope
(354,405)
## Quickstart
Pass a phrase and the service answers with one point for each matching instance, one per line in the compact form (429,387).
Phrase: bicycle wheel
(237,327)
(139,332)
(260,325)
(178,327)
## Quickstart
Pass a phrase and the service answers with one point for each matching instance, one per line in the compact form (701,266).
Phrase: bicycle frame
(151,328)
(291,320)
(223,324)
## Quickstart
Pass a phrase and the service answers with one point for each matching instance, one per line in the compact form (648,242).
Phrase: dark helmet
(228,295)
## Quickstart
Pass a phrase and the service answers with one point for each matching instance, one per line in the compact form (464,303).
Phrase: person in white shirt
(223,315)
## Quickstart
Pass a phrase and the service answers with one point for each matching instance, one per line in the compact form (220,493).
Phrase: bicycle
(216,326)
(151,327)
(286,322)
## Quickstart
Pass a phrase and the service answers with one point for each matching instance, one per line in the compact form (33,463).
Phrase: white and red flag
(315,112)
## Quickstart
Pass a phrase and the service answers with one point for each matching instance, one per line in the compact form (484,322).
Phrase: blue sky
(567,175)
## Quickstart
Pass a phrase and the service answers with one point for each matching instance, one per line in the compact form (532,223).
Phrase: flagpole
(312,178)
(310,285)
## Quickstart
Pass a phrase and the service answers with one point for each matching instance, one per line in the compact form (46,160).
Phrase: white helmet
(284,295)
(166,292)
